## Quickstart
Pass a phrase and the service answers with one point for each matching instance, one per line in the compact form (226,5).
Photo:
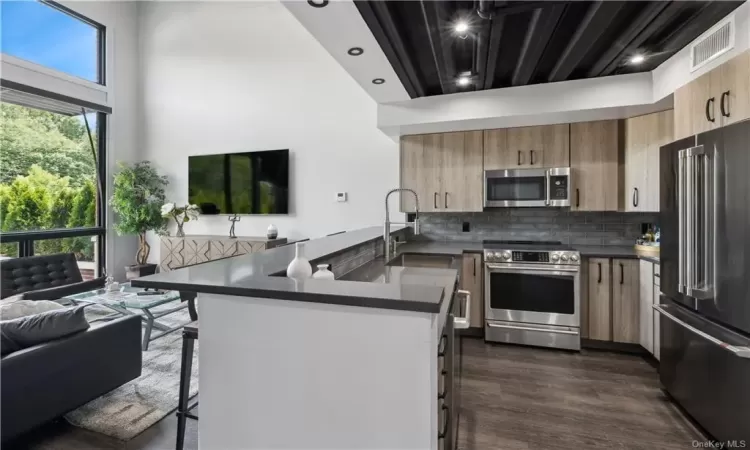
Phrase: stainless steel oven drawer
(533,334)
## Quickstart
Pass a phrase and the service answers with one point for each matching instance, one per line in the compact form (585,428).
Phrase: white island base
(298,375)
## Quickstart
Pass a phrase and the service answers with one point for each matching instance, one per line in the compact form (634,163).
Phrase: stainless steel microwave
(527,187)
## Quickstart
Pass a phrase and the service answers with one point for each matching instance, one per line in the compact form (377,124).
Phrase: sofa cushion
(27,331)
(23,308)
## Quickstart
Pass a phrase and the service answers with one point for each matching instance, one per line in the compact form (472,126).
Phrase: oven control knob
(555,257)
(564,258)
(506,255)
(574,258)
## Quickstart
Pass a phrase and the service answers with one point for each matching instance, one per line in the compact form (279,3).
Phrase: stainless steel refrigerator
(705,278)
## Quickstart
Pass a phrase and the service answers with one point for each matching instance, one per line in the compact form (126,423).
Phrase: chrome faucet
(388,223)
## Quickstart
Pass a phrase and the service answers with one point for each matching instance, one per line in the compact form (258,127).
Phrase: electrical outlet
(466,227)
(341,197)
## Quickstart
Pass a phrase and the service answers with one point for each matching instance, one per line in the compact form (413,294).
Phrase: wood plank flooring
(526,398)
(512,398)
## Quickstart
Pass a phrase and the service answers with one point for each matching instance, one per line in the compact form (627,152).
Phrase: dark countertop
(251,275)
(459,247)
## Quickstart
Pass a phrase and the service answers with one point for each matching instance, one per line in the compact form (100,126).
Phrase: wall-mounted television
(240,183)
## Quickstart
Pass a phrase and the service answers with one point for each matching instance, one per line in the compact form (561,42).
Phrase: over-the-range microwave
(527,187)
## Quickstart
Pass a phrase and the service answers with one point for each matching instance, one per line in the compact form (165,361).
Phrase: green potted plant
(180,214)
(137,199)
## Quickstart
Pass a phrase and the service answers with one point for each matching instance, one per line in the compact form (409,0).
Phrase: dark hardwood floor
(526,398)
(512,398)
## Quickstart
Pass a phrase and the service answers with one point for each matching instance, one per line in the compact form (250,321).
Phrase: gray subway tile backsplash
(569,227)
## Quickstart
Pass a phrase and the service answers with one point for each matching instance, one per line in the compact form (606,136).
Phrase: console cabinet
(176,252)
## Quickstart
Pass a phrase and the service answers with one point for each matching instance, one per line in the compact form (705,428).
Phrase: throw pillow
(28,331)
(11,299)
(23,308)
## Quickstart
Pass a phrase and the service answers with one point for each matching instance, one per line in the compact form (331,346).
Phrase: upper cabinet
(596,162)
(644,135)
(715,99)
(444,169)
(527,147)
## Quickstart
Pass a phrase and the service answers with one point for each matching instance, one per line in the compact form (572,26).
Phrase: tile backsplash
(537,224)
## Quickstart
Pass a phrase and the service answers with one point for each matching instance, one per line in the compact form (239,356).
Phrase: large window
(48,34)
(51,160)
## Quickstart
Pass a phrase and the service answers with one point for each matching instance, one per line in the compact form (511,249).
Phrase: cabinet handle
(622,274)
(443,432)
(519,157)
(578,197)
(446,200)
(599,281)
(434,200)
(709,107)
(475,267)
(724,104)
(635,196)
(442,346)
(532,156)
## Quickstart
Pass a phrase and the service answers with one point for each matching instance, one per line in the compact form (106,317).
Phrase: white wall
(227,77)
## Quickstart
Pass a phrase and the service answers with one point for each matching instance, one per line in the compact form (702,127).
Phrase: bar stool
(189,336)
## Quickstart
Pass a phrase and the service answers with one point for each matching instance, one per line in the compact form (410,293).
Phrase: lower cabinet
(649,295)
(471,280)
(612,300)
(176,252)
(625,301)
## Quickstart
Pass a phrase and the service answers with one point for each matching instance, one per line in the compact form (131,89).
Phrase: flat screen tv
(240,183)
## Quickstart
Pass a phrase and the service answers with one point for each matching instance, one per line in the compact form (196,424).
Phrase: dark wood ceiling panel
(516,43)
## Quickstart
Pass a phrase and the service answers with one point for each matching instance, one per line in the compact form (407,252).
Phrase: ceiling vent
(712,44)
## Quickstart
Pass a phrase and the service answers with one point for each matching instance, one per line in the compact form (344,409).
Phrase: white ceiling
(339,27)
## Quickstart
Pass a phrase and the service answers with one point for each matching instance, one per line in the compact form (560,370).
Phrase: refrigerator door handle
(681,213)
(740,351)
(700,224)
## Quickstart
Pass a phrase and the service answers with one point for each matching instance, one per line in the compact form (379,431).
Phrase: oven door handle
(524,328)
(547,181)
(531,269)
(462,323)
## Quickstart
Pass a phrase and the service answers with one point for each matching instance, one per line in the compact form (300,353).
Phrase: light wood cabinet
(462,178)
(644,135)
(599,301)
(444,169)
(556,145)
(715,99)
(471,280)
(646,299)
(596,161)
(527,147)
(656,317)
(176,252)
(625,301)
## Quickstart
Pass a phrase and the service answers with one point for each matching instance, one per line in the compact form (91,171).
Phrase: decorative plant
(180,214)
(137,199)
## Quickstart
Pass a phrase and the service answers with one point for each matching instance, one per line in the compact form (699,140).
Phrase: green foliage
(46,177)
(137,199)
(56,143)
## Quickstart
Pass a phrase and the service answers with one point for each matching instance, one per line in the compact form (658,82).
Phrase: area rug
(133,407)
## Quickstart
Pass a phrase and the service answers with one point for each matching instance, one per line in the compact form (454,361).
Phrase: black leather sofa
(45,381)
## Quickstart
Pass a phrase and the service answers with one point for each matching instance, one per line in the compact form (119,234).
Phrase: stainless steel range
(532,293)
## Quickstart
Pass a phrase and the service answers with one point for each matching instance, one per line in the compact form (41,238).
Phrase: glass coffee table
(126,302)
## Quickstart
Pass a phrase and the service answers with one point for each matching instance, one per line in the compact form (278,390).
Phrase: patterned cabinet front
(176,252)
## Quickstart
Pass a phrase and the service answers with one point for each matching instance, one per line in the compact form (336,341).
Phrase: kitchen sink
(423,260)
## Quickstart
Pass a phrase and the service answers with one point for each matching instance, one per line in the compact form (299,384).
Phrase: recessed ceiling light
(463,81)
(461,27)
(637,59)
(378,81)
(355,51)
(317,3)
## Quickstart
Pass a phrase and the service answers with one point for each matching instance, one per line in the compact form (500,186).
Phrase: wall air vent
(712,44)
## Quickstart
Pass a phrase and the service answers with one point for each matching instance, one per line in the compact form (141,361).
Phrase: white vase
(300,267)
(272,232)
(323,273)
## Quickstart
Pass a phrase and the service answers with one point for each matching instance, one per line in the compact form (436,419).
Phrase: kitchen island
(317,363)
